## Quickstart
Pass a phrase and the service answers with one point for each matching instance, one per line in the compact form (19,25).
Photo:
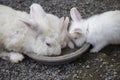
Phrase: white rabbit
(17,36)
(99,30)
(51,25)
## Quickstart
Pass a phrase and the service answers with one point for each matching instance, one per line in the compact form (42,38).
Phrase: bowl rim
(62,59)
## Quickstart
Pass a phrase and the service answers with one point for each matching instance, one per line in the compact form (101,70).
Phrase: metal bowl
(68,55)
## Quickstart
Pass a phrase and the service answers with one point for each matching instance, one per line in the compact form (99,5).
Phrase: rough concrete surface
(91,66)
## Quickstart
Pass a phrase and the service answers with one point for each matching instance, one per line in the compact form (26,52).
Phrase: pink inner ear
(62,27)
(66,23)
(34,12)
(75,15)
(31,12)
(61,24)
(37,12)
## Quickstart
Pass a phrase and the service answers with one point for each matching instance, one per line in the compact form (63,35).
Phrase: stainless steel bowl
(67,56)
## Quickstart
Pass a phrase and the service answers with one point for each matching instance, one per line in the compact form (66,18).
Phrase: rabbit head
(46,46)
(53,39)
(41,18)
(46,41)
(78,28)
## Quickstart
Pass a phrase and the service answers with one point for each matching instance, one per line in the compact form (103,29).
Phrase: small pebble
(87,66)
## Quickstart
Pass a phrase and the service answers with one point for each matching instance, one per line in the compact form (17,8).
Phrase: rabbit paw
(97,48)
(16,57)
(13,57)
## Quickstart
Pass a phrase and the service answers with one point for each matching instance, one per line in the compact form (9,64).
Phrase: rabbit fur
(21,32)
(51,23)
(99,30)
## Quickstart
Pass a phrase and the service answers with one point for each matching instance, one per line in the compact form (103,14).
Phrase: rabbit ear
(75,15)
(27,21)
(30,23)
(36,12)
(66,22)
(63,25)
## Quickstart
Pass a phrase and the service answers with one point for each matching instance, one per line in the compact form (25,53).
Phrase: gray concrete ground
(91,66)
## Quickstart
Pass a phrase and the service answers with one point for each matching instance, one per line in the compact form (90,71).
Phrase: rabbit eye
(48,44)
